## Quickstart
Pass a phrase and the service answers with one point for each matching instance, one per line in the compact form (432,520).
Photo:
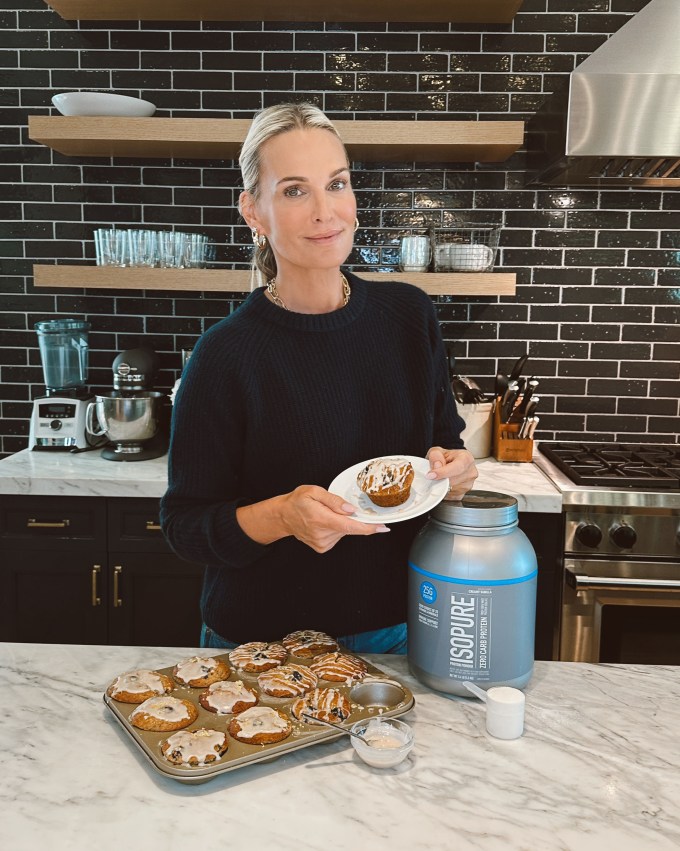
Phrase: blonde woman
(316,371)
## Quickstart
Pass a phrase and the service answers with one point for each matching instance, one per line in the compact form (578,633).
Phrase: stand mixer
(130,416)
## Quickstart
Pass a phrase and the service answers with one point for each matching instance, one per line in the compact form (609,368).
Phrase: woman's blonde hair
(268,123)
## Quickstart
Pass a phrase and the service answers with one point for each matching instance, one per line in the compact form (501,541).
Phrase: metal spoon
(335,727)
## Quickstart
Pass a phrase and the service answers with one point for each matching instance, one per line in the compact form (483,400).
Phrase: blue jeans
(391,639)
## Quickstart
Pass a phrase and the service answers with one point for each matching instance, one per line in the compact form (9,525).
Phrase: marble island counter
(88,474)
(597,768)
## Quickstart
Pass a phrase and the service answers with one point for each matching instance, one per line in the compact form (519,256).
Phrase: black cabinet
(146,577)
(90,570)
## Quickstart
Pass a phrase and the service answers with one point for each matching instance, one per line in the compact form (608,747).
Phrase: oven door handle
(579,580)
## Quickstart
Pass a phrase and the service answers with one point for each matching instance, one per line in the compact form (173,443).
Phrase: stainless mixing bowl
(128,421)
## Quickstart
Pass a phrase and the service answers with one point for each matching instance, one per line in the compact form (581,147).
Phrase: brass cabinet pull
(152,526)
(32,523)
(117,601)
(96,570)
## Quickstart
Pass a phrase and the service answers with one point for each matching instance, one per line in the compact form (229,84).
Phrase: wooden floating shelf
(238,280)
(455,11)
(221,138)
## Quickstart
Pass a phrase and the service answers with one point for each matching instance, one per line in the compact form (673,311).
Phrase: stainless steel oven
(621,575)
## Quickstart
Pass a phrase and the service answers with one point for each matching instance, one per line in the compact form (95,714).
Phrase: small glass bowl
(396,737)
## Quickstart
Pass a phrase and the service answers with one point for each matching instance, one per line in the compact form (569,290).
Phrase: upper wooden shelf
(454,11)
(239,280)
(221,138)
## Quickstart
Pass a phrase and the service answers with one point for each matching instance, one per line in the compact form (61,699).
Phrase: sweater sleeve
(198,510)
(448,424)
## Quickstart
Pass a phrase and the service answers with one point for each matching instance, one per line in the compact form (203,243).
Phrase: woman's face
(306,206)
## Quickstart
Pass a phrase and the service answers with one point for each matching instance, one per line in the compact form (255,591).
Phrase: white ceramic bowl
(102,103)
(391,741)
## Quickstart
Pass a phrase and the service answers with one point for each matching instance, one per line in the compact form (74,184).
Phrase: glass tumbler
(111,247)
(142,248)
(415,254)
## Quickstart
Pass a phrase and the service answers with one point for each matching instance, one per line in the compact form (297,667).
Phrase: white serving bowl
(102,103)
(392,741)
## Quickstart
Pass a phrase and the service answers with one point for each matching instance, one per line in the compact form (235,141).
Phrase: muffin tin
(376,695)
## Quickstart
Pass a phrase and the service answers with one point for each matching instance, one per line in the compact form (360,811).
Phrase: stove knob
(589,535)
(623,536)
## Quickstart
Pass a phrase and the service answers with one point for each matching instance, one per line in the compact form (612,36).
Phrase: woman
(314,373)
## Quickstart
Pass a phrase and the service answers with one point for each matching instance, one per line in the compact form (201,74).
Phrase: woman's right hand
(319,518)
(309,513)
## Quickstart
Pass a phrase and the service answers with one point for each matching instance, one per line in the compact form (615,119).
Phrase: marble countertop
(598,768)
(88,474)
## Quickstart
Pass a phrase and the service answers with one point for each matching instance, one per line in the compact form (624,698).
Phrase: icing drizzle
(339,667)
(258,655)
(195,668)
(288,680)
(326,704)
(201,745)
(383,473)
(223,695)
(260,719)
(163,708)
(138,682)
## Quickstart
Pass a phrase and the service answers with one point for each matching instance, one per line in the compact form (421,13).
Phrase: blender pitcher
(64,352)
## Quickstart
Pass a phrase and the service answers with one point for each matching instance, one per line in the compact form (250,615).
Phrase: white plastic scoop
(504,710)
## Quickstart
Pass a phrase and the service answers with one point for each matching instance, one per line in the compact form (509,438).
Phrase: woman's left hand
(456,465)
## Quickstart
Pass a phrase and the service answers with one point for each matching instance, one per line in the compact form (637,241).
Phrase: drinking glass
(142,248)
(111,247)
(415,254)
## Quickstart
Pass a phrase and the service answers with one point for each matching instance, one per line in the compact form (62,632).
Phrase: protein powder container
(472,596)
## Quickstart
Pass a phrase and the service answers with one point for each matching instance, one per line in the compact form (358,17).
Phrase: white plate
(425,493)
(102,103)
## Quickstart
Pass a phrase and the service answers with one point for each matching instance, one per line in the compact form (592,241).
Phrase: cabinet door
(52,597)
(154,600)
(546,533)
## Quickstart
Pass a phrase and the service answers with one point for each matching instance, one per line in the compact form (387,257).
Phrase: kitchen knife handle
(96,570)
(117,601)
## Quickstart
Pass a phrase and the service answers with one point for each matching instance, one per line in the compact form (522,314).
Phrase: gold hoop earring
(259,239)
(356,225)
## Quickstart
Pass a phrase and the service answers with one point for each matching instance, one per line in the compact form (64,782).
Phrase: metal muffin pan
(377,695)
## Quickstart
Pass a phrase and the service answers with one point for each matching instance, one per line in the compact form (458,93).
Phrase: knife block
(506,445)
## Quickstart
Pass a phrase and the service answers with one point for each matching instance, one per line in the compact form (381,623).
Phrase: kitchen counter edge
(33,473)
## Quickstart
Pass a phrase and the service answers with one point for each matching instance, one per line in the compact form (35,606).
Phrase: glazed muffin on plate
(387,481)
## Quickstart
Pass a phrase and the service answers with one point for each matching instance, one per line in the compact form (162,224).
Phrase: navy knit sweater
(272,399)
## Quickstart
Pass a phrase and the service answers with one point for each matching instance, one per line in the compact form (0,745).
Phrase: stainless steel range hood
(618,121)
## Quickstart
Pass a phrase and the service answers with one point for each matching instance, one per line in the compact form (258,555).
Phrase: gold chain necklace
(276,298)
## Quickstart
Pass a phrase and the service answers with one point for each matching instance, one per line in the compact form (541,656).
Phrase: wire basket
(465,249)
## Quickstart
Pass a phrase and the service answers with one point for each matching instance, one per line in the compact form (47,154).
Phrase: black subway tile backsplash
(598,273)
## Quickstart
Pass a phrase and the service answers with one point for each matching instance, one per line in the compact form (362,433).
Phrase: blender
(58,418)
